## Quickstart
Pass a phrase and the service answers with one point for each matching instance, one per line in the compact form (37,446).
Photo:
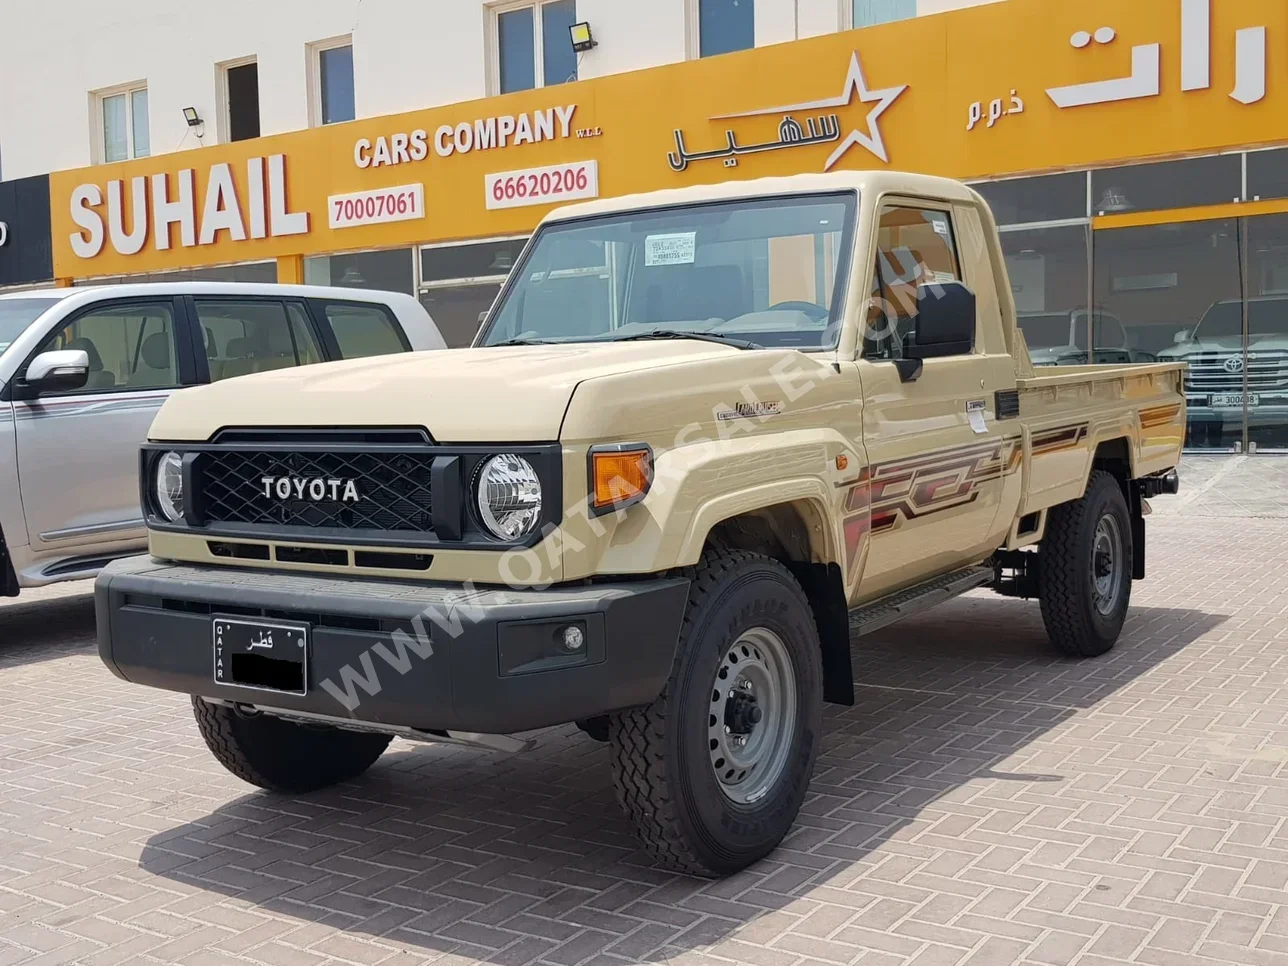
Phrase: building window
(1050,270)
(724,26)
(532,44)
(122,123)
(459,283)
(387,270)
(332,82)
(1193,182)
(1267,174)
(866,13)
(1177,291)
(241,100)
(1051,197)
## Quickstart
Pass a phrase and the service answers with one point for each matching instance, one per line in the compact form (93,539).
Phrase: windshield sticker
(675,249)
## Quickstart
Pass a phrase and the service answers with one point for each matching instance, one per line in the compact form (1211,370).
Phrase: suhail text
(160,202)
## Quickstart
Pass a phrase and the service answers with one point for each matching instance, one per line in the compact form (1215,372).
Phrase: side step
(904,603)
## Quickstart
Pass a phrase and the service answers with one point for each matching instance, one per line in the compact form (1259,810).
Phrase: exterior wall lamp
(582,40)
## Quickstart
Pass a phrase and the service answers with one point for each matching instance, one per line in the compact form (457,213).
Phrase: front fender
(697,486)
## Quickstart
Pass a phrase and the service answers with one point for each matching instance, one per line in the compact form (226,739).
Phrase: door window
(363,330)
(248,336)
(130,347)
(915,246)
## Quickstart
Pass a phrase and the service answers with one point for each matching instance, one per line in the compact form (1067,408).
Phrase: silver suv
(84,370)
(1223,378)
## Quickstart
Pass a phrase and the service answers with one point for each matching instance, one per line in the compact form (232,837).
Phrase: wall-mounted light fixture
(582,40)
(191,116)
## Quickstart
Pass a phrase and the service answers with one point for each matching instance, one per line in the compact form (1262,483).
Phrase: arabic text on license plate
(1233,400)
(267,655)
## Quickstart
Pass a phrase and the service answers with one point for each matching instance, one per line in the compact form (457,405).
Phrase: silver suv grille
(1267,372)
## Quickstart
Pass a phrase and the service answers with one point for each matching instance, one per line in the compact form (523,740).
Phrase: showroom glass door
(1174,292)
(1266,324)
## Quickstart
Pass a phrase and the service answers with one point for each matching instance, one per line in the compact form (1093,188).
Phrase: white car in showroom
(84,370)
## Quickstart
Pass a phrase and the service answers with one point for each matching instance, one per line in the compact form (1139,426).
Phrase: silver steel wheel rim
(748,757)
(1106,565)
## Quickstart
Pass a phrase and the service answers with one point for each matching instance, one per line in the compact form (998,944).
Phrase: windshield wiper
(713,337)
(497,345)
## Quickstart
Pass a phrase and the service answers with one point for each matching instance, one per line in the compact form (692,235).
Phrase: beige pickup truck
(704,440)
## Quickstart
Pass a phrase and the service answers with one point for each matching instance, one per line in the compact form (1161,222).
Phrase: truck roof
(879,181)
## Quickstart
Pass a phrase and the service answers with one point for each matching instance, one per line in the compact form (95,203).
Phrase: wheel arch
(1116,457)
(796,533)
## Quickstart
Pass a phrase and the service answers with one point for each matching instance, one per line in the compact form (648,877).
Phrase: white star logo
(854,83)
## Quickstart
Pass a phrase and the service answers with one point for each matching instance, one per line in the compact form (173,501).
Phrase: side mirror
(1181,337)
(60,371)
(945,321)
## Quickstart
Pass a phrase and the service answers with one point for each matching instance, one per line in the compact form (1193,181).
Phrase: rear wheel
(1085,574)
(714,771)
(283,756)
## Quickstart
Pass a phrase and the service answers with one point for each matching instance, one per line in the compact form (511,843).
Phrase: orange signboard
(1019,86)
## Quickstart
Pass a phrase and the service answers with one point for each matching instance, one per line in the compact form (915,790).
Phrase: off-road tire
(283,756)
(662,771)
(1065,588)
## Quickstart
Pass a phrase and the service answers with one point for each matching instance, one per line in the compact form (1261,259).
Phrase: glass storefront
(1266,363)
(389,270)
(1049,270)
(1176,288)
(459,283)
(1212,293)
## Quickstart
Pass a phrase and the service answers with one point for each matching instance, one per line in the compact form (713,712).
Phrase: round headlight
(169,486)
(509,496)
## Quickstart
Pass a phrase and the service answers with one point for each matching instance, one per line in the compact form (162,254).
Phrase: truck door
(78,452)
(936,455)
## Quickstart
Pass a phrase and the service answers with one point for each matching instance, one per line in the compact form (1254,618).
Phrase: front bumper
(483,671)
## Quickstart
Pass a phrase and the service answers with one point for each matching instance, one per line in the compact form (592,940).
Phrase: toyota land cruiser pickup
(704,439)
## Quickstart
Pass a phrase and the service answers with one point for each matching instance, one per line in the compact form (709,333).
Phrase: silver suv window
(130,347)
(16,315)
(246,336)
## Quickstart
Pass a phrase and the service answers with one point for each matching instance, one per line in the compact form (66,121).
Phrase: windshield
(762,271)
(1224,320)
(1046,331)
(16,315)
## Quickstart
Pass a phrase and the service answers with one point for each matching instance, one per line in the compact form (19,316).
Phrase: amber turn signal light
(620,476)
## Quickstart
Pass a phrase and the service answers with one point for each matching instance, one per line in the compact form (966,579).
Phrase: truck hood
(505,394)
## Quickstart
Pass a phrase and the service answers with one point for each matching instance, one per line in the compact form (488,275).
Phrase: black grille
(393,489)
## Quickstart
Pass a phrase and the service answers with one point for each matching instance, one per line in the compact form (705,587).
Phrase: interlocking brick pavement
(985,803)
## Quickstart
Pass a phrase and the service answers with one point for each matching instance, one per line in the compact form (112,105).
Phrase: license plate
(266,655)
(1233,400)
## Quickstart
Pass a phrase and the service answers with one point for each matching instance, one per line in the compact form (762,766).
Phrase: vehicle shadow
(45,629)
(501,858)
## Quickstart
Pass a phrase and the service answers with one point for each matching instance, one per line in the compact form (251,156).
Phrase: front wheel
(714,771)
(283,756)
(1085,572)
